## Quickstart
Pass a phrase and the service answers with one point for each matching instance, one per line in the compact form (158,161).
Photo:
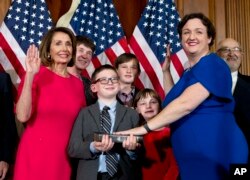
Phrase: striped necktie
(111,158)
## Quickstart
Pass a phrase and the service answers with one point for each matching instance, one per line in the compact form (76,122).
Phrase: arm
(84,147)
(4,166)
(167,77)
(24,103)
(189,100)
(78,147)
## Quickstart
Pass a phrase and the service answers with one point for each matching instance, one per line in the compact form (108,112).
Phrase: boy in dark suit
(93,155)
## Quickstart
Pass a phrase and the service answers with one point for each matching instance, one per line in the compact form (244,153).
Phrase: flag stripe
(25,23)
(12,44)
(110,55)
(144,78)
(145,62)
(9,68)
(124,44)
(177,64)
(11,57)
(156,29)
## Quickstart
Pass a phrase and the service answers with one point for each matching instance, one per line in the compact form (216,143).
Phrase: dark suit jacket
(8,131)
(88,122)
(89,96)
(244,77)
(242,107)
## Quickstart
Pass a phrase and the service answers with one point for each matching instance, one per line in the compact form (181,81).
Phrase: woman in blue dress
(199,109)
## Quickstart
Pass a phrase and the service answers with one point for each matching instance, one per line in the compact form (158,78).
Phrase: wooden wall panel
(4,5)
(238,25)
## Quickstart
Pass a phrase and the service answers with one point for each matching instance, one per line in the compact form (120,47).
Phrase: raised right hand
(32,60)
(166,63)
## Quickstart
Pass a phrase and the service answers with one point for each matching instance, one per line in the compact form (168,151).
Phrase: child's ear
(93,88)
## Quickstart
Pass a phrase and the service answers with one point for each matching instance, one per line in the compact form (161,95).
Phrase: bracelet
(146,127)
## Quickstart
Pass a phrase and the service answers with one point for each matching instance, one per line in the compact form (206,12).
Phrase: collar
(112,106)
(234,74)
(132,92)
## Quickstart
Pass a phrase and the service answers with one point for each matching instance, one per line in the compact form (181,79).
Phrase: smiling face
(83,56)
(148,107)
(128,71)
(61,48)
(195,40)
(106,90)
(230,51)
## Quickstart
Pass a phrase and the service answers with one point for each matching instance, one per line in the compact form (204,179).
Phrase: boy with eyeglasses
(93,154)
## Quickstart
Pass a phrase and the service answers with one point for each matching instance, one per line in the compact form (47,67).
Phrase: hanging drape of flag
(25,23)
(157,28)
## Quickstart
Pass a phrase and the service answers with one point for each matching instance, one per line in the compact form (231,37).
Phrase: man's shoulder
(244,77)
(4,75)
(86,80)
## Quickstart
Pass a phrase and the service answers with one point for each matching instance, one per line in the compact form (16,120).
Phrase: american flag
(157,27)
(25,23)
(155,30)
(98,20)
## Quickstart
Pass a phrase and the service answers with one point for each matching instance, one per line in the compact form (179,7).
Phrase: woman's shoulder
(212,59)
(212,63)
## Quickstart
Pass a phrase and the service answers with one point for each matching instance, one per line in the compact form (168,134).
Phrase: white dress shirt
(234,80)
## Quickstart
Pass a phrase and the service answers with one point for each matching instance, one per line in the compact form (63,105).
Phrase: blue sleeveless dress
(208,140)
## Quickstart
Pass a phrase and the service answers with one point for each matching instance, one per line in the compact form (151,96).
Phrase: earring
(49,57)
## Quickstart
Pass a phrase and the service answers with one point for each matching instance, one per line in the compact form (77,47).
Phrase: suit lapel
(120,113)
(95,113)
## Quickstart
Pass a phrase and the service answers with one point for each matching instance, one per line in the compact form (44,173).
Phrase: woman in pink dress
(49,101)
(158,161)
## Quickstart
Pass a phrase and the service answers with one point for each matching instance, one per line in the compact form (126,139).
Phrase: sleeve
(8,134)
(79,148)
(34,90)
(214,74)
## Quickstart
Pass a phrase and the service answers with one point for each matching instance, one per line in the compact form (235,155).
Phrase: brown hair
(126,57)
(100,69)
(211,32)
(144,93)
(85,41)
(46,43)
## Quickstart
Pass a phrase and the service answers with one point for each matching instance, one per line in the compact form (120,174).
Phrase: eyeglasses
(106,80)
(228,50)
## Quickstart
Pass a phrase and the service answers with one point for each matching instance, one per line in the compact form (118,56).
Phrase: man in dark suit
(93,153)
(230,50)
(8,131)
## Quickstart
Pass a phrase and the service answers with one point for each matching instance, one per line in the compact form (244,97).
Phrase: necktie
(111,158)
